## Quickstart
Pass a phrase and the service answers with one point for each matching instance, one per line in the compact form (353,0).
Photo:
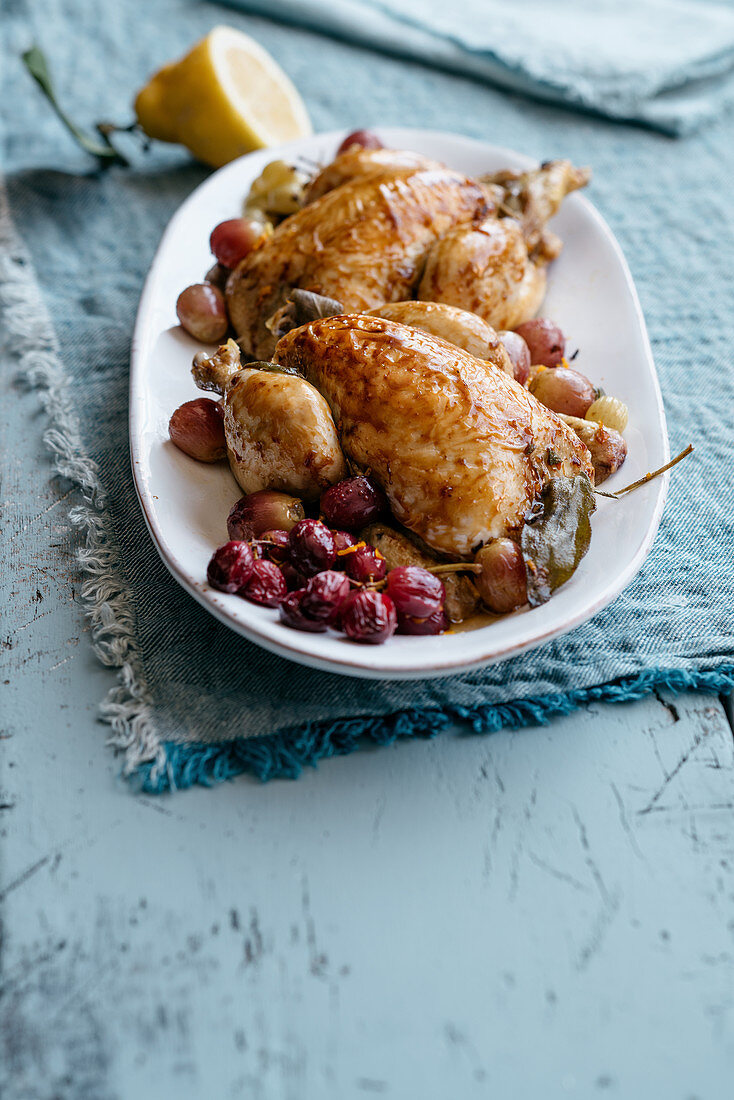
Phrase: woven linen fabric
(668,64)
(196,702)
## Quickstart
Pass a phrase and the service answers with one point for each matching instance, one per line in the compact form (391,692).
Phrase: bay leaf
(555,539)
(300,307)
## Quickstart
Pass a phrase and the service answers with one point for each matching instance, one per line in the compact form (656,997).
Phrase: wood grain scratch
(24,876)
(698,738)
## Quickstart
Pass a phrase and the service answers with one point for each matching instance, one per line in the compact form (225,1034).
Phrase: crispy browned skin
(486,269)
(458,326)
(497,269)
(280,435)
(358,162)
(534,197)
(461,449)
(362,243)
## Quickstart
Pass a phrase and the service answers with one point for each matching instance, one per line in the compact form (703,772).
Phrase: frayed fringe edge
(284,755)
(28,333)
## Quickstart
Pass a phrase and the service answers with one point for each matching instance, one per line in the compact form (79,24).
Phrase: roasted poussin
(386,225)
(458,326)
(497,268)
(461,450)
(362,243)
(278,428)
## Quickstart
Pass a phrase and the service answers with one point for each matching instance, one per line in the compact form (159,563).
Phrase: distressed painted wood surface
(539,913)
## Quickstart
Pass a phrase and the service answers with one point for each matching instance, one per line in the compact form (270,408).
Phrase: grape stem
(648,477)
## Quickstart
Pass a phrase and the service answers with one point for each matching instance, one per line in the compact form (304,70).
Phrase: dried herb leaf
(554,542)
(300,307)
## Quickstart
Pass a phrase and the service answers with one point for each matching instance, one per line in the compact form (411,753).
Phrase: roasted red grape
(293,577)
(352,503)
(519,353)
(545,341)
(415,591)
(274,546)
(265,510)
(342,541)
(368,616)
(365,564)
(563,390)
(434,624)
(266,585)
(202,311)
(502,582)
(323,594)
(292,614)
(231,567)
(363,138)
(197,429)
(311,547)
(232,240)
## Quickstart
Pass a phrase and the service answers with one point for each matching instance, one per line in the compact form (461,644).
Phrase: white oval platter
(185,503)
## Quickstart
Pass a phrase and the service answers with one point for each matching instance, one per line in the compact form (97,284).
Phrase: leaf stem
(648,477)
(105,152)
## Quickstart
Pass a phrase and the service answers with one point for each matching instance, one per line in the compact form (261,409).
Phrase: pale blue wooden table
(544,913)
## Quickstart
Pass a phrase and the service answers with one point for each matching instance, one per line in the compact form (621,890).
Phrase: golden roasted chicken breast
(461,450)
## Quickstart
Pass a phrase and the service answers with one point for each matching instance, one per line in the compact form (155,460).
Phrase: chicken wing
(461,450)
(534,197)
(362,243)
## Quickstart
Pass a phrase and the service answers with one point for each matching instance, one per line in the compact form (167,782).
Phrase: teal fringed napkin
(668,64)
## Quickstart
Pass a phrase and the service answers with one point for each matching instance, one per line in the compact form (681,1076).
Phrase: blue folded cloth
(668,64)
(194,701)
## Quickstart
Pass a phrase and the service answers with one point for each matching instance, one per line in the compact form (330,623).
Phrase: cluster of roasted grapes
(318,573)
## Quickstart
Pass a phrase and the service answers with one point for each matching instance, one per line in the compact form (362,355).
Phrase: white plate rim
(351,663)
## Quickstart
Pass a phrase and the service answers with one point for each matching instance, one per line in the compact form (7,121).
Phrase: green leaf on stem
(102,148)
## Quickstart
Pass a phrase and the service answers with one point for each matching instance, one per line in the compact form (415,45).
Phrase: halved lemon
(226,97)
